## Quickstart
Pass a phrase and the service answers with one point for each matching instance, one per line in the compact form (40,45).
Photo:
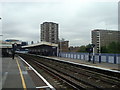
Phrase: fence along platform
(107,58)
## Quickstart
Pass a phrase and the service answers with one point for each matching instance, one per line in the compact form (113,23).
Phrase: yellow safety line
(22,78)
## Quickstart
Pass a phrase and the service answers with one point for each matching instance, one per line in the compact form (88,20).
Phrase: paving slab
(16,74)
(11,75)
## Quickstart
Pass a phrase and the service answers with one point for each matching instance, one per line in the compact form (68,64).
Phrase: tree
(82,48)
(104,49)
(113,47)
(88,46)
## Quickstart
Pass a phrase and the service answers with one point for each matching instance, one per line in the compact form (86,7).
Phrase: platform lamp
(89,50)
(93,46)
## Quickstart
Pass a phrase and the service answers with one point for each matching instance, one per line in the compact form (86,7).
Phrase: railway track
(75,77)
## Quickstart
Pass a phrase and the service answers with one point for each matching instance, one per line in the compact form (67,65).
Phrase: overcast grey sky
(76,19)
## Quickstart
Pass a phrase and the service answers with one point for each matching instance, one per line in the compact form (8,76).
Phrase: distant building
(74,49)
(63,46)
(8,43)
(12,41)
(24,43)
(6,46)
(104,38)
(49,32)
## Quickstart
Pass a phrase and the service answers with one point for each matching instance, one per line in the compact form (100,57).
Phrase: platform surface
(96,64)
(12,77)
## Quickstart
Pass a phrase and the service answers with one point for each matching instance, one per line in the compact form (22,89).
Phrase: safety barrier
(103,57)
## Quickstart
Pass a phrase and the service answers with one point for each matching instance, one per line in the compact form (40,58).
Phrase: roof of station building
(41,43)
(4,44)
(8,43)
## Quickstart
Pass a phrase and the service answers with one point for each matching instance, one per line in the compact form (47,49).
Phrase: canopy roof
(41,43)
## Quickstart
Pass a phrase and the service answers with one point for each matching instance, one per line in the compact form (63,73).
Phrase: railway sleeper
(80,79)
(98,84)
(69,73)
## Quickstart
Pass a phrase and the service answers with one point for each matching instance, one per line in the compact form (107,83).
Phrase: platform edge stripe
(43,87)
(38,74)
(21,75)
(84,65)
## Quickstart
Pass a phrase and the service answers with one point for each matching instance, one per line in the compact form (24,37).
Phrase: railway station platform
(101,65)
(17,74)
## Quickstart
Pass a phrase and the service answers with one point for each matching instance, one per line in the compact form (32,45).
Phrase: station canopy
(4,44)
(40,44)
(8,43)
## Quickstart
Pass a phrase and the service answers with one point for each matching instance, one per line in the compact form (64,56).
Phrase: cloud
(75,19)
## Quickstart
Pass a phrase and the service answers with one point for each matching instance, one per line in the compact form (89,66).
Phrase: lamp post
(93,46)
